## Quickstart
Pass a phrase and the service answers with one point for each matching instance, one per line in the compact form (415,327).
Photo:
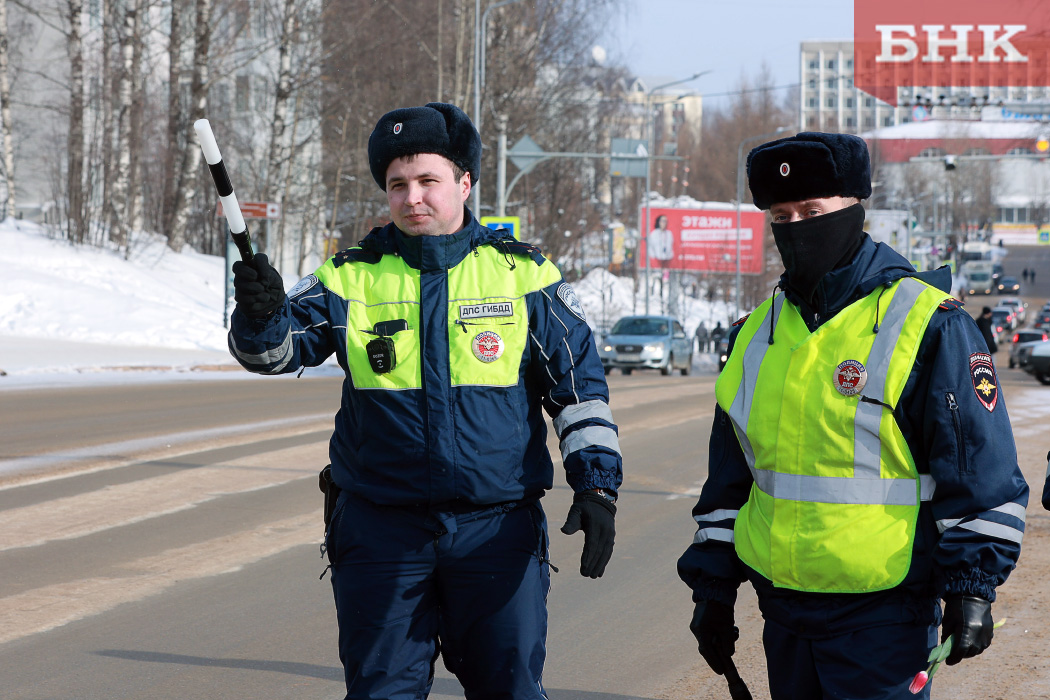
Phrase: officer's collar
(437,252)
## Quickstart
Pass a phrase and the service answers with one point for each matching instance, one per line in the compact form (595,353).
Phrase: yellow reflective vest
(487,318)
(836,494)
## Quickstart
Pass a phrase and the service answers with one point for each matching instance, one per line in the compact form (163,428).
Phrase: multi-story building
(829,100)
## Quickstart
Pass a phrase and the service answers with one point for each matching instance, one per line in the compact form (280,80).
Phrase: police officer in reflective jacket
(862,467)
(454,339)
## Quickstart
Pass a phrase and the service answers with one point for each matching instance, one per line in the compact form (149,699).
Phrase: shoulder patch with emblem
(949,304)
(985,383)
(568,297)
(740,321)
(302,285)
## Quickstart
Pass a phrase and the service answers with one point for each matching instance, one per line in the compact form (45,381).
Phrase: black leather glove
(595,515)
(257,287)
(970,619)
(716,633)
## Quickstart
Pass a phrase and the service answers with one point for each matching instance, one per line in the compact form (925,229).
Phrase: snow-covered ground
(79,314)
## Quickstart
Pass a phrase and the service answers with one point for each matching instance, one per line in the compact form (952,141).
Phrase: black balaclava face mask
(811,248)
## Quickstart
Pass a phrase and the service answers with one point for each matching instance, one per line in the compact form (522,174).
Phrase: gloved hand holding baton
(258,287)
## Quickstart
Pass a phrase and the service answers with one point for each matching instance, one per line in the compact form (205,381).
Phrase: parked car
(1008,285)
(1021,338)
(1042,320)
(1018,306)
(1036,359)
(647,342)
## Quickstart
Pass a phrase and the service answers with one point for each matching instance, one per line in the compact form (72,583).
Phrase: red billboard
(703,240)
(949,43)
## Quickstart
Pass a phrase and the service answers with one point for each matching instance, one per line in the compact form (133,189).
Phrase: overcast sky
(662,40)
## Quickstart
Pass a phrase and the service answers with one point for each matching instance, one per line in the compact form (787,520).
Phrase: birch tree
(77,224)
(121,180)
(5,114)
(279,146)
(186,189)
(176,118)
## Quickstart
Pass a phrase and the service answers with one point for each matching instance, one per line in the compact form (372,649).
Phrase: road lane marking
(117,454)
(49,607)
(136,501)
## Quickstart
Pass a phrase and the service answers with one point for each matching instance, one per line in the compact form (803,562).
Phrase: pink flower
(919,682)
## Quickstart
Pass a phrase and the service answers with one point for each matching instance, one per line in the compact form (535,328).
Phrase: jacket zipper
(953,406)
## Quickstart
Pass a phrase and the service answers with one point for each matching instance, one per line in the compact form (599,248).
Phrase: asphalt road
(134,569)
(1036,293)
(161,541)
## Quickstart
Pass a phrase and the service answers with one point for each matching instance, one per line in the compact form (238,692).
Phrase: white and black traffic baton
(230,207)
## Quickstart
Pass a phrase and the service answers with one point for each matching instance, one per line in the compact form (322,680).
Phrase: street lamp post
(480,29)
(644,229)
(740,197)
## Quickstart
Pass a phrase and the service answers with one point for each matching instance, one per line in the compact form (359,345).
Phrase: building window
(831,64)
(813,65)
(887,121)
(849,103)
(869,102)
(220,97)
(812,83)
(832,82)
(976,152)
(869,122)
(831,103)
(811,103)
(1006,215)
(1022,215)
(243,97)
(849,64)
(849,122)
(1019,151)
(931,152)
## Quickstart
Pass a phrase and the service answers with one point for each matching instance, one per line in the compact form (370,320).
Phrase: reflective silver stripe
(574,413)
(713,533)
(927,486)
(867,446)
(282,354)
(592,435)
(716,515)
(1012,509)
(996,530)
(754,353)
(837,489)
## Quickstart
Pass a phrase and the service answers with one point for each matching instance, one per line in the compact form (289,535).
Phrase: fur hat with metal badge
(809,165)
(437,127)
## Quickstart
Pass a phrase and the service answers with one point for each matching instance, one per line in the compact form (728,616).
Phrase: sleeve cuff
(974,583)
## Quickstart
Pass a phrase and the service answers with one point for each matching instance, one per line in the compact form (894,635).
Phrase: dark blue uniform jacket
(439,445)
(968,537)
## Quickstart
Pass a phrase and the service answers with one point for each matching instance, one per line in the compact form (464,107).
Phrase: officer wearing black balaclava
(863,475)
(812,185)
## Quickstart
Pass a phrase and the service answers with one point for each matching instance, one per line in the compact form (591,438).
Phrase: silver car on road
(647,342)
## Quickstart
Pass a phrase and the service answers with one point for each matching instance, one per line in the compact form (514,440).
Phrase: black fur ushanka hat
(437,127)
(807,166)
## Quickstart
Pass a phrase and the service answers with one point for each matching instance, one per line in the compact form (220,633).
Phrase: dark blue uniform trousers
(874,663)
(410,584)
